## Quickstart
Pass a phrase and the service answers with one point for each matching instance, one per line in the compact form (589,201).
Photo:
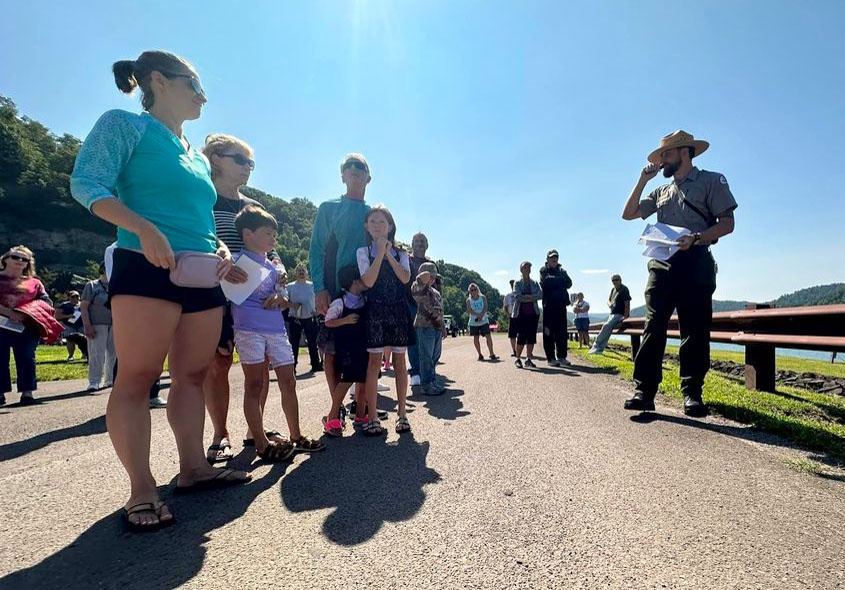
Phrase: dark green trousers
(686,283)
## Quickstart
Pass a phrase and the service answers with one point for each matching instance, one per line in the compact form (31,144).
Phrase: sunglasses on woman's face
(192,82)
(240,160)
(17,258)
(355,164)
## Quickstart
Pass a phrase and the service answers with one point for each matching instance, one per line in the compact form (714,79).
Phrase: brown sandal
(305,445)
(277,451)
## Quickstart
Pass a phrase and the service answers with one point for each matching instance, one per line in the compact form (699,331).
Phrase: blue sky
(500,129)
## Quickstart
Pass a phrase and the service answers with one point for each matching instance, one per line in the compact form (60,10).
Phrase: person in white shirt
(582,320)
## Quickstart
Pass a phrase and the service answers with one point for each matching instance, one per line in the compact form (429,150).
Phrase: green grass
(814,420)
(51,365)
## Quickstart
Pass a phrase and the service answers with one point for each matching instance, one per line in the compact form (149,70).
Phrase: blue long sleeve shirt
(337,234)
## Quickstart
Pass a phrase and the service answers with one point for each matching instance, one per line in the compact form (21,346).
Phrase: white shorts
(393,349)
(254,347)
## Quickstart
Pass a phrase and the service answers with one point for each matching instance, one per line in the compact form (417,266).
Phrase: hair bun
(124,75)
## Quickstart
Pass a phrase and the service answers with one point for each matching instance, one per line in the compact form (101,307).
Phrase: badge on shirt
(723,180)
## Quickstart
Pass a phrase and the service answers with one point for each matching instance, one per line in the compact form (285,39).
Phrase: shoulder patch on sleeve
(723,180)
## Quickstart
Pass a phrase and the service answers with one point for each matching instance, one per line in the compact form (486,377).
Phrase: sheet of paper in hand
(661,240)
(237,293)
(11,325)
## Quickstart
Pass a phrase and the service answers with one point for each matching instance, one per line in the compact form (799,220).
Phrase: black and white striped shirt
(225,211)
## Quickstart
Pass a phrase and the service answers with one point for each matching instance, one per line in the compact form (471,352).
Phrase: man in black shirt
(554,281)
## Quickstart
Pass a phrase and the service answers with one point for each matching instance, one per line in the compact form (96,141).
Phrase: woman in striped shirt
(231,164)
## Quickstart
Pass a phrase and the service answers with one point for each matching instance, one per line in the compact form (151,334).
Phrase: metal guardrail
(760,329)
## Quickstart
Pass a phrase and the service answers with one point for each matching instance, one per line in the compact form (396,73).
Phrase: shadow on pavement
(105,556)
(447,406)
(592,370)
(18,449)
(387,486)
(742,432)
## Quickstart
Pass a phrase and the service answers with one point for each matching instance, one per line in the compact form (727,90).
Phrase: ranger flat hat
(678,139)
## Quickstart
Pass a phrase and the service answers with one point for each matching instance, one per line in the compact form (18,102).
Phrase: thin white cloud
(594,271)
(501,273)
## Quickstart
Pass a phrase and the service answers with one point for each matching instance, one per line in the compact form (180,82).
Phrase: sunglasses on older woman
(240,160)
(17,258)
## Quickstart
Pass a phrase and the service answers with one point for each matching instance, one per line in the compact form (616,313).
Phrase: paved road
(514,479)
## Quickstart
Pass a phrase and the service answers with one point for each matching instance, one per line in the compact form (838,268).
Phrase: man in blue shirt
(339,230)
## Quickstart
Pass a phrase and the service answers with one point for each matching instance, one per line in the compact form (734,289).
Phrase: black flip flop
(216,482)
(221,447)
(133,527)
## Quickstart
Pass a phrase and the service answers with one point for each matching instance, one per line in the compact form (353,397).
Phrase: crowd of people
(184,230)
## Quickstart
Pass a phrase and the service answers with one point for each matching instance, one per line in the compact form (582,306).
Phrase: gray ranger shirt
(707,191)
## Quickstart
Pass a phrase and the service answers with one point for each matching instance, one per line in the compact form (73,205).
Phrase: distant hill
(728,305)
(818,295)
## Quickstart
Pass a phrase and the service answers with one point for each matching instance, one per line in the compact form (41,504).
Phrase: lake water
(803,354)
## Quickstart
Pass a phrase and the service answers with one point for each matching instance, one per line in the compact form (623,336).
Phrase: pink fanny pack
(196,270)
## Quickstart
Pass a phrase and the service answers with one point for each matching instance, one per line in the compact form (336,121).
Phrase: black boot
(694,406)
(640,402)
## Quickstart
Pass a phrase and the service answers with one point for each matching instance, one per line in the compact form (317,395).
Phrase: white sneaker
(92,387)
(158,402)
(382,387)
(594,351)
(415,380)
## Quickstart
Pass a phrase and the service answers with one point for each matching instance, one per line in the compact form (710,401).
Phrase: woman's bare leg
(190,354)
(216,394)
(489,345)
(143,330)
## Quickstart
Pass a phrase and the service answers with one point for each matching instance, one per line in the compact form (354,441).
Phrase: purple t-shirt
(250,316)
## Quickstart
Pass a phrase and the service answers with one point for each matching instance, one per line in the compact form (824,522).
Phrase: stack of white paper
(661,240)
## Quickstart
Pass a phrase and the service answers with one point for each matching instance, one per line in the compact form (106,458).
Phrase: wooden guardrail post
(760,366)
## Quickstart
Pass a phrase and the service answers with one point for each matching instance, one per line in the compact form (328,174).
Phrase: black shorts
(227,333)
(526,330)
(132,274)
(482,330)
(512,328)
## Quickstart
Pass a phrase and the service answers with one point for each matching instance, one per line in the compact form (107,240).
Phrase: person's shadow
(17,449)
(366,481)
(105,556)
(446,406)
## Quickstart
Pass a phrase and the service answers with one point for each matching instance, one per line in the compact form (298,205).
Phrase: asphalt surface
(512,479)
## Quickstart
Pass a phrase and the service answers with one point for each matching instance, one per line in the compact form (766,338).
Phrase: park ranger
(702,202)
